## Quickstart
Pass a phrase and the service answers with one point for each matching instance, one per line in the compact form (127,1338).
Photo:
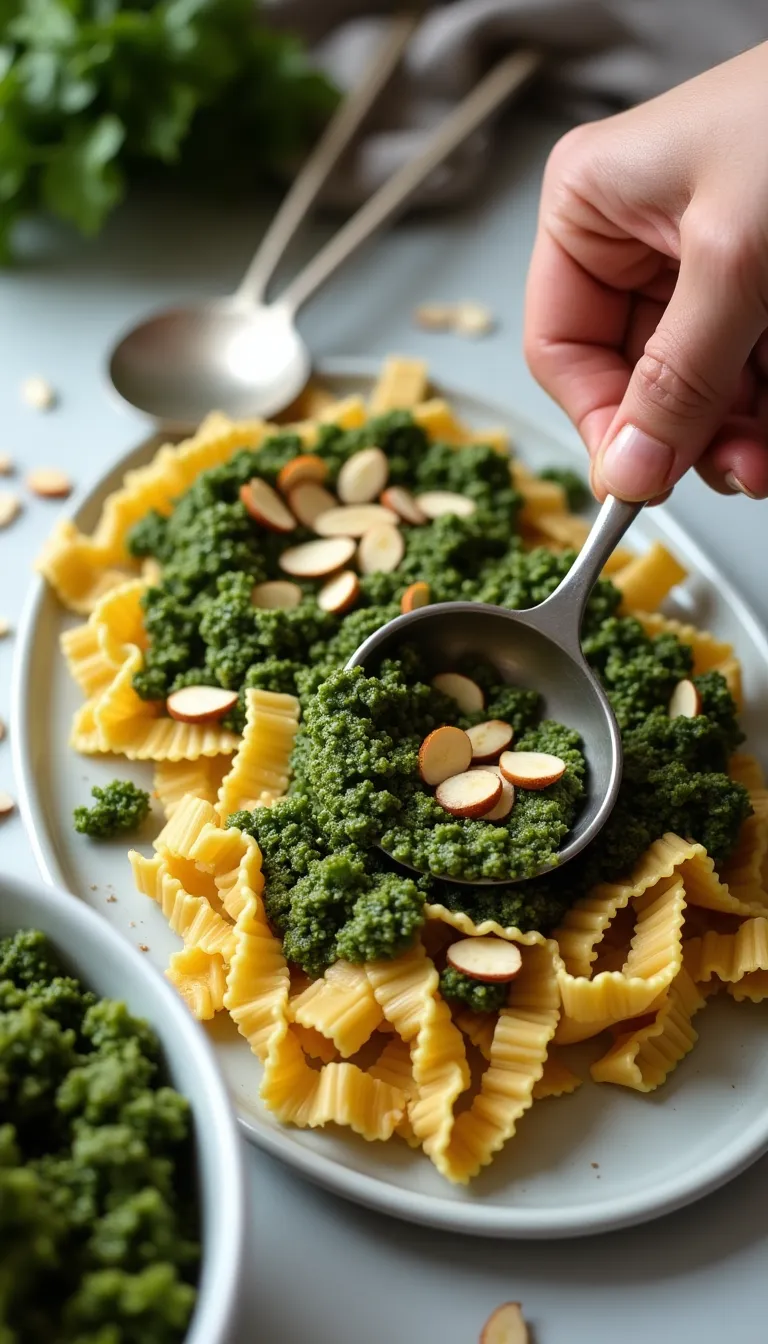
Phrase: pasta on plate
(377,1042)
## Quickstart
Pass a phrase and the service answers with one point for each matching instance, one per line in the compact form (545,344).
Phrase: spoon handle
(506,78)
(323,159)
(563,611)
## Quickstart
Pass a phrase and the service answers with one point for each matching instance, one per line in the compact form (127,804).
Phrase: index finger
(574,331)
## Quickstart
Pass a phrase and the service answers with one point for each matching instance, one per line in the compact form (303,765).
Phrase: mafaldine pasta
(347,980)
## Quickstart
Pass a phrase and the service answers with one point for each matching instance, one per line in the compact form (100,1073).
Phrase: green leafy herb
(94,91)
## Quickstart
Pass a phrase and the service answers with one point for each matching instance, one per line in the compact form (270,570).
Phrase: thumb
(683,385)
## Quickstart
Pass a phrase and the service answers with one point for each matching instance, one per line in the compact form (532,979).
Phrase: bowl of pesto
(121,1183)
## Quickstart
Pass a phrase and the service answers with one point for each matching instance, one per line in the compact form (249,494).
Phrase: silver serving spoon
(541,649)
(244,356)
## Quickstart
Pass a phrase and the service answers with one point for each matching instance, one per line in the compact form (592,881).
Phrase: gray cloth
(602,55)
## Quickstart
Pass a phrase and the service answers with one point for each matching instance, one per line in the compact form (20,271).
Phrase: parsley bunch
(92,90)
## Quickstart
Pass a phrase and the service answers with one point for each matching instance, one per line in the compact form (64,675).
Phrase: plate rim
(474,1219)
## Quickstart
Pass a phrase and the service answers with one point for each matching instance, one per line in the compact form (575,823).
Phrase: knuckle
(730,246)
(661,384)
(568,160)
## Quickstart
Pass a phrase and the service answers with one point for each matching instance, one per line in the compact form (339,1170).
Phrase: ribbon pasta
(375,1047)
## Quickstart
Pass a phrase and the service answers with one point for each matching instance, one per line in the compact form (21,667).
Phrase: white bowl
(107,964)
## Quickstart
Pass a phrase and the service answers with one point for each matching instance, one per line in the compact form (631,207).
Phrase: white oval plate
(601,1159)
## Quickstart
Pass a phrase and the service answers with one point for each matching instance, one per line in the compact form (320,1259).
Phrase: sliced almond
(470,794)
(10,507)
(200,704)
(685,701)
(416,595)
(507,800)
(381,549)
(38,393)
(49,483)
(491,959)
(437,502)
(506,1325)
(5,627)
(7,803)
(445,752)
(435,316)
(305,467)
(363,477)
(315,559)
(531,769)
(353,520)
(2,729)
(489,739)
(309,500)
(463,690)
(265,505)
(473,319)
(6,464)
(276,595)
(339,593)
(402,502)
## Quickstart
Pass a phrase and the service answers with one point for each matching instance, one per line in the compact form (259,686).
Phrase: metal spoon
(540,649)
(243,356)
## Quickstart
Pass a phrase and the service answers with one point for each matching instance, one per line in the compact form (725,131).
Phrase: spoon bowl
(539,649)
(247,359)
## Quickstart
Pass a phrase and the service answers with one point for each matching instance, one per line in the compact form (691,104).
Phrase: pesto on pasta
(270,866)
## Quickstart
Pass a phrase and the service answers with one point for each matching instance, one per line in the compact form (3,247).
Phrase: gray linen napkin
(602,55)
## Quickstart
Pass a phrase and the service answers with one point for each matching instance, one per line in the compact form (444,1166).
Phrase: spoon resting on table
(244,356)
(540,647)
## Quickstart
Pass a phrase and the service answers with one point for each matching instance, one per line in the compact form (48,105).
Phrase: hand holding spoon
(539,648)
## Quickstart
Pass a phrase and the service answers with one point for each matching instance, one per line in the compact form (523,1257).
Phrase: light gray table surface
(321,1270)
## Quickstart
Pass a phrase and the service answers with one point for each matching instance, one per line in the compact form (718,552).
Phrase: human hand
(647,300)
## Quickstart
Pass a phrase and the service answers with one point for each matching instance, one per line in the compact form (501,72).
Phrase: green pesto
(362,775)
(120,806)
(358,785)
(482,996)
(577,492)
(98,1234)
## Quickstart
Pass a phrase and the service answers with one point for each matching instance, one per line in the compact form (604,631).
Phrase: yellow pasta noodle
(395,1068)
(463,924)
(77,569)
(314,1044)
(192,917)
(202,778)
(729,956)
(557,1080)
(200,978)
(341,1005)
(646,580)
(521,1039)
(642,1059)
(262,763)
(655,957)
(402,383)
(88,664)
(406,990)
(566,531)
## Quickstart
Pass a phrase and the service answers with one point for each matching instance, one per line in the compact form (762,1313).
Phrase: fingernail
(635,466)
(738,487)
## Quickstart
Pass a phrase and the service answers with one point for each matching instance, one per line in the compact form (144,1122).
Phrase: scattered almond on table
(5,627)
(38,393)
(49,483)
(10,507)
(505,1326)
(468,318)
(6,464)
(7,803)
